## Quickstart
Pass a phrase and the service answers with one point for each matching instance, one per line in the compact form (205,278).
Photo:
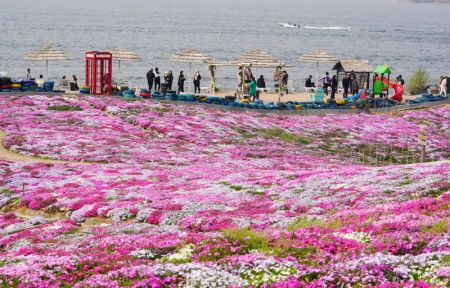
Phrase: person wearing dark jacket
(181,80)
(308,82)
(284,81)
(197,78)
(150,79)
(170,79)
(261,83)
(334,86)
(157,80)
(346,85)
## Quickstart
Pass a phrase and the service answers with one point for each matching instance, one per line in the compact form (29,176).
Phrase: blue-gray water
(402,34)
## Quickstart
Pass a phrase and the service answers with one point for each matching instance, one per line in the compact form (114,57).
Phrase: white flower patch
(357,236)
(421,267)
(33,221)
(78,215)
(266,270)
(183,255)
(143,254)
(201,275)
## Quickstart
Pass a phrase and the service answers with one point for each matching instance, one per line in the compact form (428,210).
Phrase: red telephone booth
(99,72)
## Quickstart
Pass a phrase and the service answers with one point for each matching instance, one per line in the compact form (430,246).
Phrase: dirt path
(7,155)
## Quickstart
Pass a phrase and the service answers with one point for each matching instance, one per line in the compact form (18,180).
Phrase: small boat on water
(289,25)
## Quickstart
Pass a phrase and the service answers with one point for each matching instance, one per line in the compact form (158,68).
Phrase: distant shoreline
(429,1)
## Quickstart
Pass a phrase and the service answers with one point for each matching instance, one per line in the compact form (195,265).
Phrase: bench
(268,90)
(312,89)
(63,85)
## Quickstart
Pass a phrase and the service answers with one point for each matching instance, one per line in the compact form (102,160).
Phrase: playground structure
(382,84)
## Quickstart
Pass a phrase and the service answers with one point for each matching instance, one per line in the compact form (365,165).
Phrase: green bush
(418,82)
(251,240)
(65,108)
(283,135)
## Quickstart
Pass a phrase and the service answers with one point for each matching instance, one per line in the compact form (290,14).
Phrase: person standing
(28,74)
(355,85)
(400,80)
(248,75)
(443,86)
(170,79)
(197,78)
(166,78)
(284,81)
(326,82)
(150,79)
(345,85)
(181,80)
(334,86)
(252,89)
(157,80)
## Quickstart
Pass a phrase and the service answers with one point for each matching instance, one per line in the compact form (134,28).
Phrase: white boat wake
(327,27)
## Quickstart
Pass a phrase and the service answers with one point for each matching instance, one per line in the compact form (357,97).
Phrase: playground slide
(361,94)
(399,90)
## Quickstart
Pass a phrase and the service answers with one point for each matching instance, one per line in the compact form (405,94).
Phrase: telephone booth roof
(98,55)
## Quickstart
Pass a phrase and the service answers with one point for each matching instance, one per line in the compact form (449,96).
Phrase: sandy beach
(295,96)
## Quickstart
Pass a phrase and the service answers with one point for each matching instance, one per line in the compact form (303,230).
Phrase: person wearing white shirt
(40,81)
(443,87)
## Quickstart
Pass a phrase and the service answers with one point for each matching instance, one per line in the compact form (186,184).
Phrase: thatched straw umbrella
(317,57)
(258,58)
(120,55)
(190,56)
(47,53)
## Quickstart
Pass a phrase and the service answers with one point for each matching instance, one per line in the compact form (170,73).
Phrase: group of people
(154,81)
(72,84)
(350,83)
(62,82)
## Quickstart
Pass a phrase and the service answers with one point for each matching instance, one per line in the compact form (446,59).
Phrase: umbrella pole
(190,76)
(46,68)
(317,74)
(118,78)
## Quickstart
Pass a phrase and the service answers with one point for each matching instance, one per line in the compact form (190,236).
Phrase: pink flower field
(154,194)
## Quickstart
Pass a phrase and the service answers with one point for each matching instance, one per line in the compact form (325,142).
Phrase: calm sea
(400,33)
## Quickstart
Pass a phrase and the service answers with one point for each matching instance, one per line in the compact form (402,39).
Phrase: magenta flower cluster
(185,196)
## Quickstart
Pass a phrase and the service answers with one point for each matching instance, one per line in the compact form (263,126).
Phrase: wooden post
(423,138)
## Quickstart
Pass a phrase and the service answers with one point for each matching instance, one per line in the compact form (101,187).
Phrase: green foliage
(437,228)
(65,108)
(7,191)
(231,186)
(305,222)
(254,192)
(418,82)
(249,239)
(236,187)
(283,135)
(436,193)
